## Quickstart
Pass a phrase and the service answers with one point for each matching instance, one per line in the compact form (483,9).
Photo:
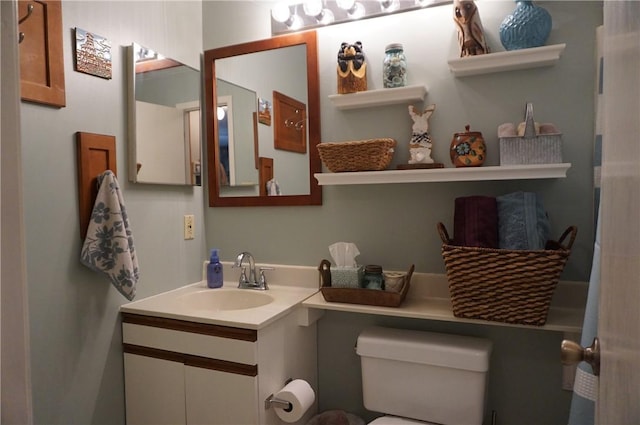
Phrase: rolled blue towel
(522,221)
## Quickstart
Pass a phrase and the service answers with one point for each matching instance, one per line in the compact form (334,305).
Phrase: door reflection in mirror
(223,134)
(236,141)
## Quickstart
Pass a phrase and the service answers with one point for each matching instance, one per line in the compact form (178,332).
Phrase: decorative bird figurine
(470,32)
(352,68)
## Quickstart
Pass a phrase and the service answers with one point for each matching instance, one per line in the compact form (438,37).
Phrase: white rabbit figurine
(420,144)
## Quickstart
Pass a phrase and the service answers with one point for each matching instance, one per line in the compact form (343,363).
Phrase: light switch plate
(189,226)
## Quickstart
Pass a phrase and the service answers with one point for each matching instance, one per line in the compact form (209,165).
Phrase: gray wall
(75,331)
(394,225)
(405,215)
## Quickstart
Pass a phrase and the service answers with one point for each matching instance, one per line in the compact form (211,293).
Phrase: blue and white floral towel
(108,246)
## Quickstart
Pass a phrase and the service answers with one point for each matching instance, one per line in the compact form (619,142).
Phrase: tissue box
(346,277)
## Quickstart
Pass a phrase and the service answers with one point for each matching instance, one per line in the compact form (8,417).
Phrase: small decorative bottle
(214,270)
(527,26)
(394,66)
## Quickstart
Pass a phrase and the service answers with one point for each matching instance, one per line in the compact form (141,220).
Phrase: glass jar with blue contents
(373,277)
(394,66)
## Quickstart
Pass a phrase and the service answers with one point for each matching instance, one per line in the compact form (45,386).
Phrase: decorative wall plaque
(93,54)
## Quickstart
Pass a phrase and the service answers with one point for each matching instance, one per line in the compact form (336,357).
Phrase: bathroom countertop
(171,305)
(428,298)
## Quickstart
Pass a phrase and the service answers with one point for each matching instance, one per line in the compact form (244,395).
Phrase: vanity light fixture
(288,16)
(282,14)
(354,9)
(315,8)
(389,6)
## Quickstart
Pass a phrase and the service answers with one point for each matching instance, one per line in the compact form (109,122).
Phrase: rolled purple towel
(475,222)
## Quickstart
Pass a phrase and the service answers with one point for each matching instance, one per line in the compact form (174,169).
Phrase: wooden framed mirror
(285,64)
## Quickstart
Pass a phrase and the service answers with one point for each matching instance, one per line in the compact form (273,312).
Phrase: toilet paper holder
(272,401)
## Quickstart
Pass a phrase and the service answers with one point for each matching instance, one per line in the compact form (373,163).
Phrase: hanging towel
(585,387)
(273,188)
(108,246)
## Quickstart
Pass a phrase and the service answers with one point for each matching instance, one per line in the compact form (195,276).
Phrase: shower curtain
(585,388)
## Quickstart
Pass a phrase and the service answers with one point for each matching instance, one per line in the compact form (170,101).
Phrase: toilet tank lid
(432,348)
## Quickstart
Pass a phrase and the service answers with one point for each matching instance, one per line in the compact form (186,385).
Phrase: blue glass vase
(528,26)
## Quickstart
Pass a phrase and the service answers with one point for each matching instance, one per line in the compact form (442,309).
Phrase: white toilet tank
(426,376)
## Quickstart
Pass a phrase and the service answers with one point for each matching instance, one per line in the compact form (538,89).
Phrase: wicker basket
(531,149)
(361,295)
(358,155)
(511,286)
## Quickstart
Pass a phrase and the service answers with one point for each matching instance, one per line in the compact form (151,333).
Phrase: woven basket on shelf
(358,155)
(361,295)
(531,148)
(511,286)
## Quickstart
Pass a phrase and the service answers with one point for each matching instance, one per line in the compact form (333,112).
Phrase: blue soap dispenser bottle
(214,270)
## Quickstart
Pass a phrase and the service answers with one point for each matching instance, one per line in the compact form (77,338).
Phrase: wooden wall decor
(96,153)
(41,52)
(290,123)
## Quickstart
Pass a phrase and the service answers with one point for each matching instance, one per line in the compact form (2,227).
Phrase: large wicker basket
(358,155)
(511,286)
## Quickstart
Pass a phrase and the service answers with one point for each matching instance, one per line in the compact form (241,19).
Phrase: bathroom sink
(226,306)
(225,299)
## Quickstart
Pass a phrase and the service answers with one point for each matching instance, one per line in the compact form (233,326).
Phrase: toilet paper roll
(301,396)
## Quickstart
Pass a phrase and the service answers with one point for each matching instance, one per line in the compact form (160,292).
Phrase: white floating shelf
(379,97)
(506,61)
(504,172)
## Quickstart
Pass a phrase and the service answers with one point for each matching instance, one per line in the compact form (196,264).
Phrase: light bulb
(312,7)
(220,113)
(357,11)
(280,12)
(389,5)
(326,17)
(345,4)
(294,23)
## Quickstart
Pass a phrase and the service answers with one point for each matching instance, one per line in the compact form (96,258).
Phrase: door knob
(572,352)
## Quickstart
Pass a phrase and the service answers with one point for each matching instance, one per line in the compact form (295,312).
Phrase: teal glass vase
(528,26)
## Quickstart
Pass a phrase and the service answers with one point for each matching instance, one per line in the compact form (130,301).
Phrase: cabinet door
(154,391)
(220,398)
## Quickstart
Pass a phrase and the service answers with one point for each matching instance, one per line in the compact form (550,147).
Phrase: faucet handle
(263,279)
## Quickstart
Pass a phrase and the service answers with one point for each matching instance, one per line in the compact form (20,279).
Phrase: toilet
(417,377)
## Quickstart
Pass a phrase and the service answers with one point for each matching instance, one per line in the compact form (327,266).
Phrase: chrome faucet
(252,281)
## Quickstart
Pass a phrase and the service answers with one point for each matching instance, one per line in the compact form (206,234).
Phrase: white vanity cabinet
(184,372)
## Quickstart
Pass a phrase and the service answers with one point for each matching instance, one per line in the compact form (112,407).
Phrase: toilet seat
(395,420)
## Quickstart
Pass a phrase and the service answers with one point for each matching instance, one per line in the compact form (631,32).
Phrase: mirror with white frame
(164,119)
